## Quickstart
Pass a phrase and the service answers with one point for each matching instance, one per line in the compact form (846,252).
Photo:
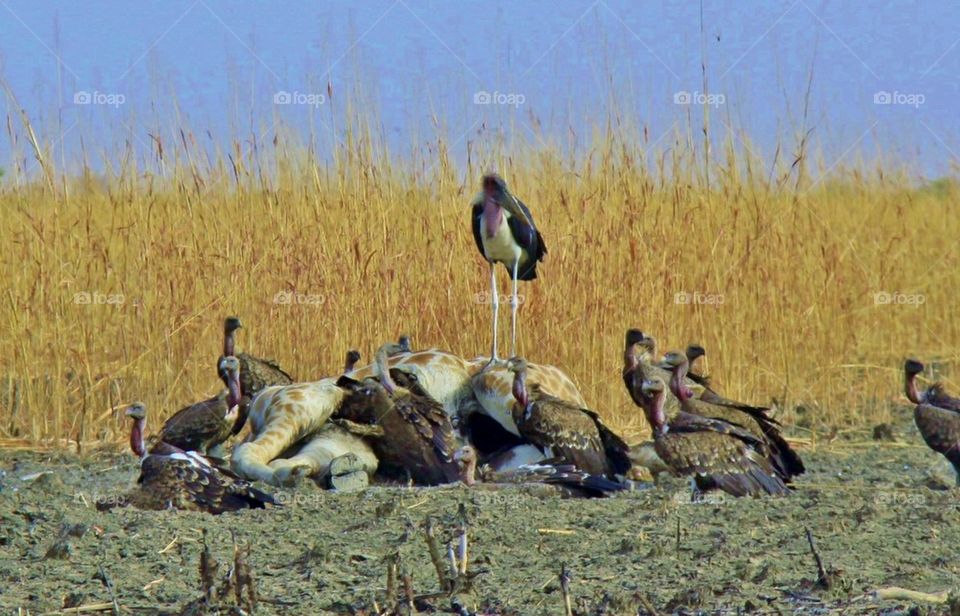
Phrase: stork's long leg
(513,311)
(495,301)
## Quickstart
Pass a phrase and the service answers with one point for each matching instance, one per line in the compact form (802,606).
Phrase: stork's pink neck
(136,437)
(492,216)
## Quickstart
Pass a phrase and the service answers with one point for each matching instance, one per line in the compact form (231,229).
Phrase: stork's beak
(510,204)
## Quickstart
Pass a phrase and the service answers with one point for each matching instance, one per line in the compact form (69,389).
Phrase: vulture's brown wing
(718,454)
(256,374)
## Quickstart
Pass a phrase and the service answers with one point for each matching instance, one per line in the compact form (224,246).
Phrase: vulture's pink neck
(136,437)
(677,386)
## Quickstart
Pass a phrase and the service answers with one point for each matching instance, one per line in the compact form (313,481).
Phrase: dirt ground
(881,514)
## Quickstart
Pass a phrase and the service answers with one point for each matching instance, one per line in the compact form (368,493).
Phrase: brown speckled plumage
(255,373)
(754,419)
(716,453)
(573,434)
(171,478)
(567,478)
(937,416)
(204,425)
(418,438)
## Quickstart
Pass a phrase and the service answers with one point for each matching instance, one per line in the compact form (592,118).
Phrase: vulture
(570,480)
(639,364)
(694,352)
(564,430)
(205,425)
(785,461)
(937,416)
(717,454)
(353,356)
(171,478)
(417,439)
(255,373)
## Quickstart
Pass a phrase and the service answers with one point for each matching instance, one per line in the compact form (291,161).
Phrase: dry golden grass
(380,244)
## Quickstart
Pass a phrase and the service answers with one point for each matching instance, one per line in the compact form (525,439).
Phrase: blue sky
(885,74)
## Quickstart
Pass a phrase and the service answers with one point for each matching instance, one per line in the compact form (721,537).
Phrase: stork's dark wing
(476,219)
(530,240)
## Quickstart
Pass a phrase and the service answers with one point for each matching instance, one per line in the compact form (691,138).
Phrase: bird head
(494,187)
(652,387)
(231,324)
(465,454)
(353,356)
(137,410)
(404,343)
(674,359)
(517,365)
(495,191)
(912,367)
(466,458)
(695,352)
(634,337)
